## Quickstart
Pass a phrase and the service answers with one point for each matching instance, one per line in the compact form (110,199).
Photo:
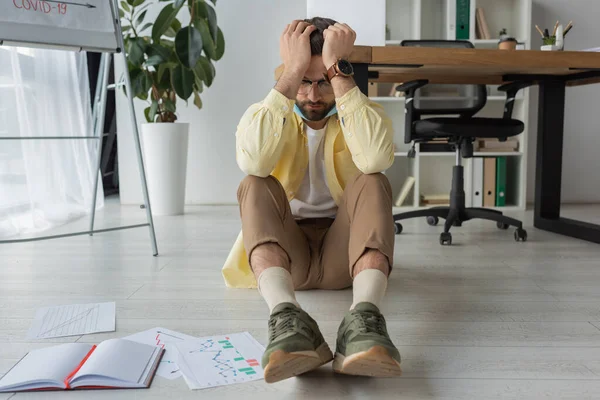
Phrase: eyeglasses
(306,86)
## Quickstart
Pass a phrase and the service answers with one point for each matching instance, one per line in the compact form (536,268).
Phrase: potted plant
(506,42)
(168,60)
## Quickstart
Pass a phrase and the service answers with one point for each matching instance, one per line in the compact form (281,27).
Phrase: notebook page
(50,364)
(118,359)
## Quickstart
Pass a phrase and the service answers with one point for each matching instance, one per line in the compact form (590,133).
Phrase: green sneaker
(295,345)
(364,346)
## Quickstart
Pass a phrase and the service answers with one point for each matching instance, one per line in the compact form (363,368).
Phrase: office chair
(461,132)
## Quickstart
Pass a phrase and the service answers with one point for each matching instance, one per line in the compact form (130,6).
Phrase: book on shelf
(113,364)
(500,181)
(489,182)
(494,145)
(490,178)
(482,25)
(373,89)
(463,11)
(435,199)
(404,191)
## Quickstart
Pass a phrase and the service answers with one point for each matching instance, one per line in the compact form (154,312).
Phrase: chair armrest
(511,90)
(412,85)
(515,86)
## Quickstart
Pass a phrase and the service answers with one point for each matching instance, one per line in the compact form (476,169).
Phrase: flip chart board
(83,24)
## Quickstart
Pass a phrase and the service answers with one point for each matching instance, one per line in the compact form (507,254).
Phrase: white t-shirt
(313,198)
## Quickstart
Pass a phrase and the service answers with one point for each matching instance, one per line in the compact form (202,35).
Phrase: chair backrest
(440,99)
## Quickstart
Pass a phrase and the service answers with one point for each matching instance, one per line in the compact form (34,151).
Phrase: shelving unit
(429,19)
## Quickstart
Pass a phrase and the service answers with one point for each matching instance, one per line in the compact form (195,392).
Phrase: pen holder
(549,44)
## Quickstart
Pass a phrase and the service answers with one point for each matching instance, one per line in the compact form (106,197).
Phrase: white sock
(369,285)
(276,286)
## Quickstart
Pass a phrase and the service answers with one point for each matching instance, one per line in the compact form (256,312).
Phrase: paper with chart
(220,360)
(164,338)
(73,320)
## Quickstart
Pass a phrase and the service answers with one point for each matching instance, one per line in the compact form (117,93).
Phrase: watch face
(345,67)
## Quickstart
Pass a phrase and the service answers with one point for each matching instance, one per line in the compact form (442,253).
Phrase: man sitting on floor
(316,210)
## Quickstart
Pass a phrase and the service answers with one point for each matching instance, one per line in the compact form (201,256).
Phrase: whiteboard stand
(98,114)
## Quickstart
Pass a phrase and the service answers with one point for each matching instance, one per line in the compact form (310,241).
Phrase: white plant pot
(165,159)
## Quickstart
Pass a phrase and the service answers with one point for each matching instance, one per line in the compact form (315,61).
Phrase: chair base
(457,213)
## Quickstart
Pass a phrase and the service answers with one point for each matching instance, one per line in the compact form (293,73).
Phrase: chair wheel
(502,225)
(432,221)
(520,235)
(398,228)
(445,238)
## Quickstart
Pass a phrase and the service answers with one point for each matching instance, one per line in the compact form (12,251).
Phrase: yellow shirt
(270,140)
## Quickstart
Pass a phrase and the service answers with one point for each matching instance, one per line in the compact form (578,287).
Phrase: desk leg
(361,77)
(548,174)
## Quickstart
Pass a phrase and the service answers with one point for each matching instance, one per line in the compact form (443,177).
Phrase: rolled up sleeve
(262,133)
(367,130)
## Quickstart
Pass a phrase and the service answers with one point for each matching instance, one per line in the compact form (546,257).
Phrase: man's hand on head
(294,49)
(339,43)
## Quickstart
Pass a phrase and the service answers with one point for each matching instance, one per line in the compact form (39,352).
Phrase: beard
(318,114)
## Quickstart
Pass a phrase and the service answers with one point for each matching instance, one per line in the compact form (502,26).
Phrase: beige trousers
(322,252)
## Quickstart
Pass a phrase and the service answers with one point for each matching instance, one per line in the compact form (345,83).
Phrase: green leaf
(140,83)
(125,6)
(173,29)
(164,20)
(197,100)
(164,77)
(126,29)
(220,50)
(140,18)
(148,25)
(200,9)
(153,110)
(147,114)
(207,42)
(138,2)
(158,50)
(169,105)
(199,74)
(179,3)
(209,70)
(212,21)
(198,86)
(121,13)
(162,68)
(188,45)
(153,60)
(135,53)
(183,81)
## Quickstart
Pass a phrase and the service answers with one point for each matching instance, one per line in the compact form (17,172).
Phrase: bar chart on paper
(220,360)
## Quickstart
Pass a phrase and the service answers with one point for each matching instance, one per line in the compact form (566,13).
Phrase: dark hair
(316,38)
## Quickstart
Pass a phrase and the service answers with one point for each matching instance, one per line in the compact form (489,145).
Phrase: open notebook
(115,363)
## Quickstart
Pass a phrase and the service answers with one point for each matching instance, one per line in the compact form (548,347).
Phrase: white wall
(244,75)
(580,180)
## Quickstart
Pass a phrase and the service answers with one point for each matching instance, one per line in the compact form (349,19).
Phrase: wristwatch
(340,67)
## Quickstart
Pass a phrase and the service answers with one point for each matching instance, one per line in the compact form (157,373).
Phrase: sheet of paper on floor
(73,320)
(220,360)
(164,338)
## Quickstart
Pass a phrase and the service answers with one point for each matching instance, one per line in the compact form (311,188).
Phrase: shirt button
(343,107)
(276,134)
(285,108)
(349,134)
